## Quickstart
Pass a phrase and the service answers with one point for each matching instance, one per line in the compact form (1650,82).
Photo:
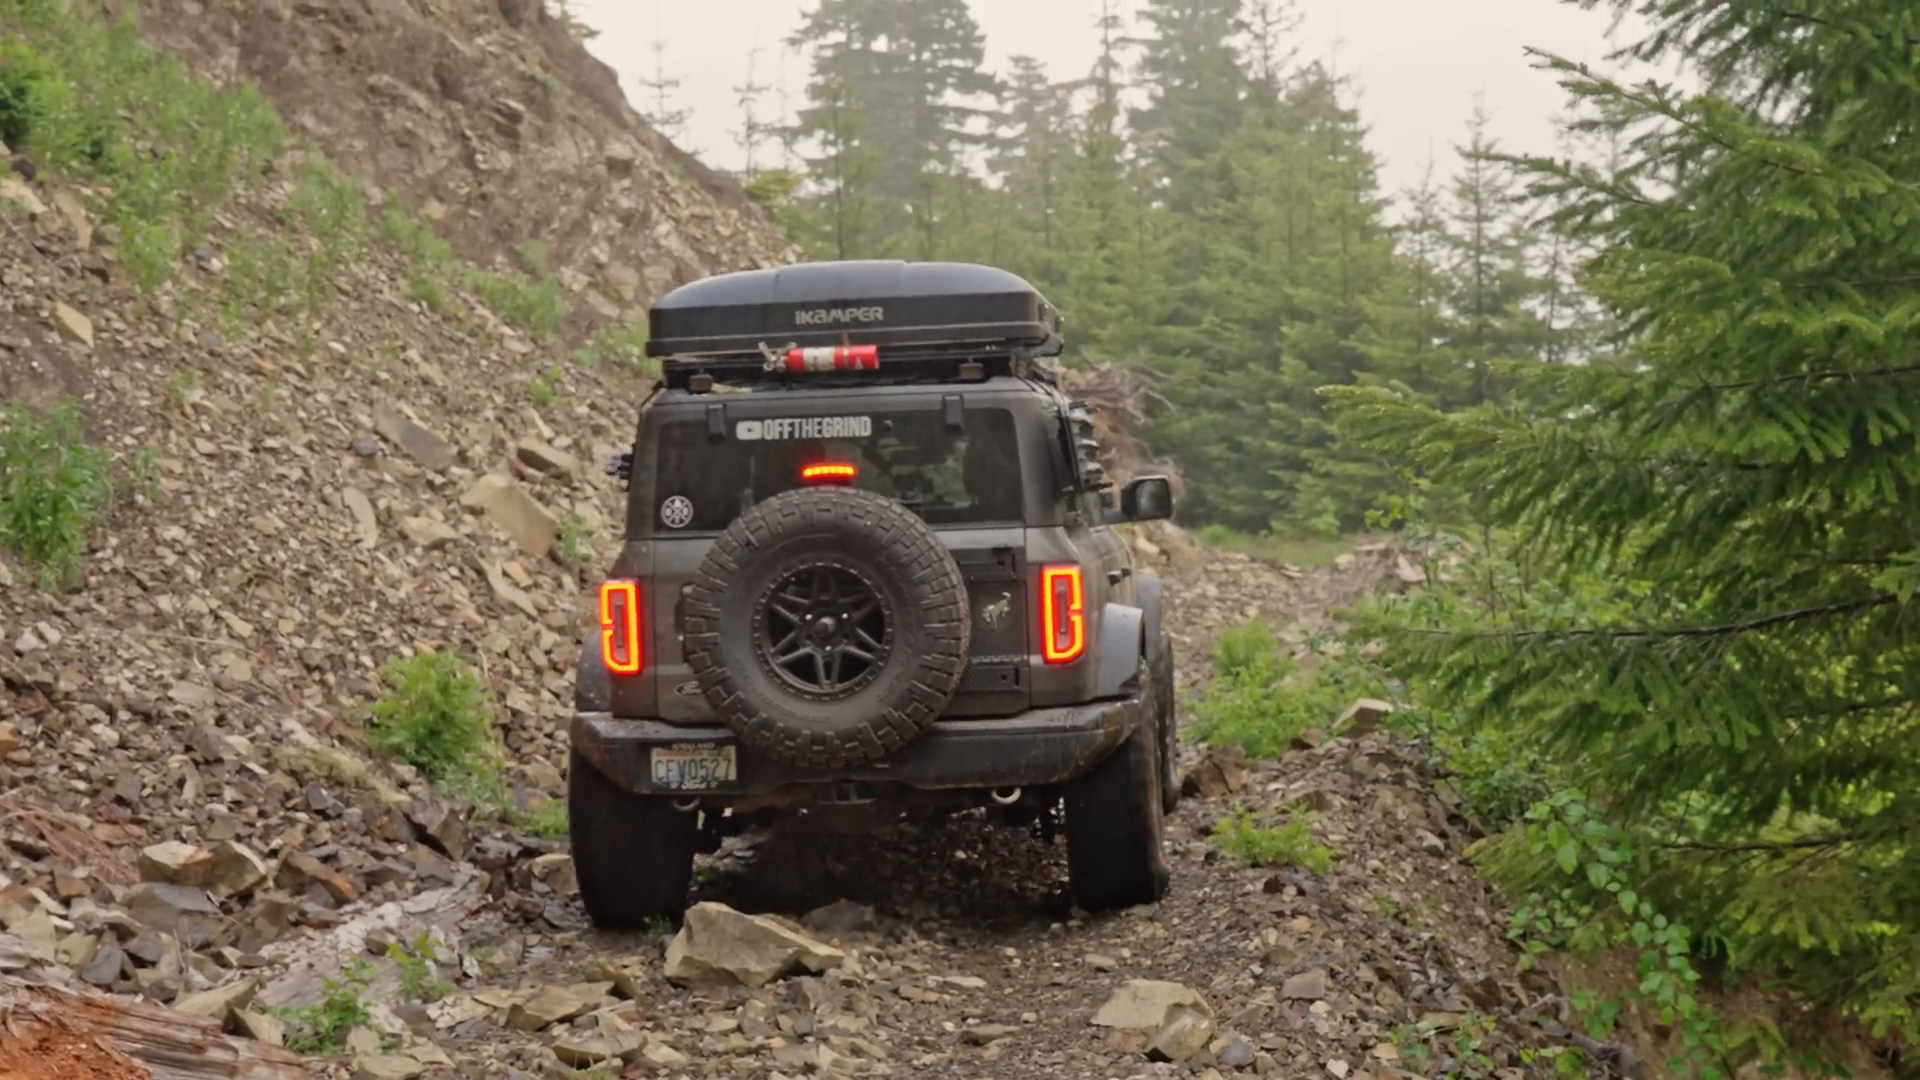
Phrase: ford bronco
(870,565)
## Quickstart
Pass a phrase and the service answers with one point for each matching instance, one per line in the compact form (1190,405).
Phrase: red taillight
(620,644)
(832,358)
(828,472)
(1063,618)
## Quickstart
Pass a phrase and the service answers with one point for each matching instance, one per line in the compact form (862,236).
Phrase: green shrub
(1259,702)
(531,305)
(418,964)
(1287,844)
(414,238)
(54,487)
(323,1028)
(436,716)
(27,82)
(1249,653)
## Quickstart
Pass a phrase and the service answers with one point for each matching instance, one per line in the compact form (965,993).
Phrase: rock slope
(487,118)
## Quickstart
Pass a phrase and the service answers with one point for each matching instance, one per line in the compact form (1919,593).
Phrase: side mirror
(1147,498)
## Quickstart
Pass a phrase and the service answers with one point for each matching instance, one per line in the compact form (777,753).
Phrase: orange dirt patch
(33,1051)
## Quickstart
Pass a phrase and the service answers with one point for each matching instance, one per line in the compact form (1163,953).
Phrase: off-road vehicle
(870,565)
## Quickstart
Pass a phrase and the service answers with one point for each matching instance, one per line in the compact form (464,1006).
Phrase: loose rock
(718,946)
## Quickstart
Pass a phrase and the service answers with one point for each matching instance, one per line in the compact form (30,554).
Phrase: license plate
(693,766)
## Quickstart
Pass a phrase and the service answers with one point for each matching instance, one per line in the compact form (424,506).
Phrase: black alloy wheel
(824,631)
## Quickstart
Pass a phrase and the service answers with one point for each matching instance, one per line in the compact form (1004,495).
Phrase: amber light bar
(1063,618)
(620,641)
(828,472)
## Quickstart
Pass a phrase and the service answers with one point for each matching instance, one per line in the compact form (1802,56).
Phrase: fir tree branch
(1764,622)
(1761,846)
(1819,376)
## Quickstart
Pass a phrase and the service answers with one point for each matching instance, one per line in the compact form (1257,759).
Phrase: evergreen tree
(1030,161)
(753,131)
(913,73)
(844,216)
(1714,631)
(661,113)
(1276,276)
(1194,85)
(1493,287)
(1113,272)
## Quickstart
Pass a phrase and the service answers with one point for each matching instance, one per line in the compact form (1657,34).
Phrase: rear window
(965,476)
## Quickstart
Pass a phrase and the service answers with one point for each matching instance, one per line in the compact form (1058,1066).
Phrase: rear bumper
(1044,746)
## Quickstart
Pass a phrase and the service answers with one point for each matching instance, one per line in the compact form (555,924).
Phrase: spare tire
(828,627)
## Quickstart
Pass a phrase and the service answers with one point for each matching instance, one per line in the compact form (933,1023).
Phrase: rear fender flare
(1122,643)
(593,686)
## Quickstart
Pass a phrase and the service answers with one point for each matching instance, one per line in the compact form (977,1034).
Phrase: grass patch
(532,305)
(87,96)
(544,386)
(323,1028)
(1260,701)
(530,302)
(575,541)
(436,716)
(418,964)
(54,488)
(1289,844)
(546,819)
(619,343)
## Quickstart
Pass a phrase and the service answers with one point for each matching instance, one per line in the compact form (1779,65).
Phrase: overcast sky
(1418,63)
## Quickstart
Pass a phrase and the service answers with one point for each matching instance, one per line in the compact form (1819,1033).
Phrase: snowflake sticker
(677,512)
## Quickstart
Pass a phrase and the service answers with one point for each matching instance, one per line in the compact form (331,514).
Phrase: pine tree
(844,218)
(912,72)
(1276,272)
(1030,161)
(661,114)
(561,11)
(1194,86)
(1113,275)
(1493,288)
(753,131)
(1715,631)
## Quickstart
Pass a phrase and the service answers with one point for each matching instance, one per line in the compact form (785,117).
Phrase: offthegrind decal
(804,427)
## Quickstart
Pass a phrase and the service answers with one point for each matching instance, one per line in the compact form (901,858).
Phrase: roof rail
(856,365)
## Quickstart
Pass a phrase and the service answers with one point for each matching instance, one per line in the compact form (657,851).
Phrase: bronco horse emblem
(996,613)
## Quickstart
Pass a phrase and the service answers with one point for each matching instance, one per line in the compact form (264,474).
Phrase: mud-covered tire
(1168,726)
(891,552)
(632,854)
(1116,829)
(1160,666)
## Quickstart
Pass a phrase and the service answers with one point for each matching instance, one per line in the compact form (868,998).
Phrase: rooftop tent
(890,304)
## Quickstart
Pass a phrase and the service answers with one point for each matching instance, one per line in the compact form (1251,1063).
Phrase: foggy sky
(1418,64)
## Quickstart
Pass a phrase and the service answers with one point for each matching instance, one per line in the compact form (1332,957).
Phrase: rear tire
(1116,828)
(632,854)
(1168,726)
(1160,663)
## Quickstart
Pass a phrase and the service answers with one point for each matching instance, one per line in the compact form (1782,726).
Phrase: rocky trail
(948,950)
